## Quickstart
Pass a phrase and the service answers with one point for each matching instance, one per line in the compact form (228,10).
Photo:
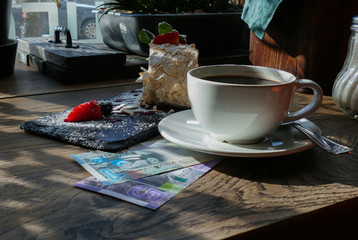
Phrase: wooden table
(308,195)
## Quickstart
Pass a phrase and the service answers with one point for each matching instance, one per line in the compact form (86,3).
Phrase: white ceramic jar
(345,88)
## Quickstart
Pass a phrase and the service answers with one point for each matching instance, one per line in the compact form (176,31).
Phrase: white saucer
(183,129)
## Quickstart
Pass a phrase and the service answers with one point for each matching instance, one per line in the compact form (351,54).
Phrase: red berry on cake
(172,37)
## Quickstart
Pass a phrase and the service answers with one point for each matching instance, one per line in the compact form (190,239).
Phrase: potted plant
(215,26)
(7,46)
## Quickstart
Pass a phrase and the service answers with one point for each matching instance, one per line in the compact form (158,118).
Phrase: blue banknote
(149,159)
(153,191)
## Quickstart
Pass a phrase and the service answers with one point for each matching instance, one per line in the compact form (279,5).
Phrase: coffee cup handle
(312,106)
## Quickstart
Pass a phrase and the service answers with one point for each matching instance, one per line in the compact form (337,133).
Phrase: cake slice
(164,83)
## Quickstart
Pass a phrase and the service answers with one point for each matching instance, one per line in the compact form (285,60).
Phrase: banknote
(148,159)
(153,191)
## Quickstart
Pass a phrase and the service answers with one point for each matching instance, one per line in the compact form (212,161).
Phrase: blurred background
(36,18)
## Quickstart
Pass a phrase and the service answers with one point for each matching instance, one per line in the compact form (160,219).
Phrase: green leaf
(58,3)
(145,36)
(182,37)
(164,27)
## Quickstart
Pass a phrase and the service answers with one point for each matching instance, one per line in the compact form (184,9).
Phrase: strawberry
(172,37)
(86,111)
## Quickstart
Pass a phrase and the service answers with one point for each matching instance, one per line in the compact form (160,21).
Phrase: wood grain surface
(244,198)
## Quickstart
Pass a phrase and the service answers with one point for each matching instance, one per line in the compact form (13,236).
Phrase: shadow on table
(309,168)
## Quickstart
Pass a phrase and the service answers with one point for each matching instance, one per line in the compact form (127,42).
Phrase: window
(35,18)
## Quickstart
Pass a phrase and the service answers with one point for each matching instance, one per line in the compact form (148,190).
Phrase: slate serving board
(85,56)
(87,63)
(113,133)
(78,75)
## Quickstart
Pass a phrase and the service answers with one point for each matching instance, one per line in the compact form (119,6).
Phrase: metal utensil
(325,143)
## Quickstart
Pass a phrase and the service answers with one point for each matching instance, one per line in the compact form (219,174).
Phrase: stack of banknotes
(148,174)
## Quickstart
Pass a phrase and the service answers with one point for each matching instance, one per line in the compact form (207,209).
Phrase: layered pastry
(170,58)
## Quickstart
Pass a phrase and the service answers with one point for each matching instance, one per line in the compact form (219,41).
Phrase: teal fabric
(258,14)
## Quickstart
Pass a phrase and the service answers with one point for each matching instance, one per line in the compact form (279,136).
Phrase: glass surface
(36,18)
(345,87)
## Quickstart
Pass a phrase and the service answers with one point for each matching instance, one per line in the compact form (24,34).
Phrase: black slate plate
(113,133)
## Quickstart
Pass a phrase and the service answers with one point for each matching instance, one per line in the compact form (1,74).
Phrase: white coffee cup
(237,112)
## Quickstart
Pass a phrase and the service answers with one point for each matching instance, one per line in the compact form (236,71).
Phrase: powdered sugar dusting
(116,131)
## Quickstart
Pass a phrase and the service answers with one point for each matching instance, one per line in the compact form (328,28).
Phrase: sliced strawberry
(172,37)
(84,112)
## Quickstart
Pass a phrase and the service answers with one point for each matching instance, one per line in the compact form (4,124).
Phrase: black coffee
(240,80)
